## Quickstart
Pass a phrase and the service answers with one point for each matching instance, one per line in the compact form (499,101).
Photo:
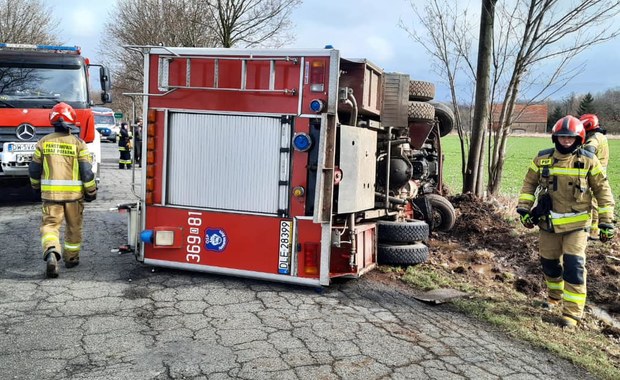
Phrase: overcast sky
(359,29)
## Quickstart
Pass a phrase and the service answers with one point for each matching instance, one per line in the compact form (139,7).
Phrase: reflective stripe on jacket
(61,168)
(570,180)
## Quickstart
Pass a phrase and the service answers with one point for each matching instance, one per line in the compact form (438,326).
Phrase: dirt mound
(490,247)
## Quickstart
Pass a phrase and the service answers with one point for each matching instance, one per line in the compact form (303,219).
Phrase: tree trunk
(481,109)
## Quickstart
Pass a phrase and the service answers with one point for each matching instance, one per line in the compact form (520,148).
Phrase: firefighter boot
(71,263)
(551,304)
(51,267)
(568,323)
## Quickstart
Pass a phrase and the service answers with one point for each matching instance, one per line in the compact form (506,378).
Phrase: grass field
(521,150)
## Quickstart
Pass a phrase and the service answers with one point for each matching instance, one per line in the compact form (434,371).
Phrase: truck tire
(409,254)
(445,116)
(402,232)
(443,215)
(421,111)
(421,91)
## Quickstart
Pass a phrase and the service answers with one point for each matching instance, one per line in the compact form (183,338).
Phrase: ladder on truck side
(165,84)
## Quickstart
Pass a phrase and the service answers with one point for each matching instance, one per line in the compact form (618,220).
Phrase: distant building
(525,118)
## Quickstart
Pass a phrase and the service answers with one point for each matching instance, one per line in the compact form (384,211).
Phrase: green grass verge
(519,154)
(504,307)
(513,313)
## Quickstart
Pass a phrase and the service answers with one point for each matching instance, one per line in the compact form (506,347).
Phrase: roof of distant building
(523,113)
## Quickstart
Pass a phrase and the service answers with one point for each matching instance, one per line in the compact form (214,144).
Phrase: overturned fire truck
(295,166)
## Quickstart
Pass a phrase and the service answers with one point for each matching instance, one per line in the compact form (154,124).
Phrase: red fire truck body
(33,78)
(266,164)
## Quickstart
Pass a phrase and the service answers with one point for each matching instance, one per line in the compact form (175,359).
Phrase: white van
(105,123)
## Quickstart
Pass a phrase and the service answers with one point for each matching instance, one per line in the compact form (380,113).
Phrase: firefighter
(560,183)
(596,142)
(124,147)
(61,171)
(137,149)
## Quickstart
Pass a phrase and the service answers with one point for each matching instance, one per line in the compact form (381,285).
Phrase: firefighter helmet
(590,121)
(569,126)
(63,112)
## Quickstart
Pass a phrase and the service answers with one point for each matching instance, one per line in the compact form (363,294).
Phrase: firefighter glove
(606,232)
(526,218)
(90,196)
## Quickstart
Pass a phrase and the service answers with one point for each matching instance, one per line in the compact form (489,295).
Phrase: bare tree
(608,110)
(149,22)
(27,22)
(536,44)
(189,23)
(473,174)
(448,40)
(551,32)
(606,104)
(252,22)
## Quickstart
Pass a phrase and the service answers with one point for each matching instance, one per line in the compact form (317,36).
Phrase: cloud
(83,22)
(381,48)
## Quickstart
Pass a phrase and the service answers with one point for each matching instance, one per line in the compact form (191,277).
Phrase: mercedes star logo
(25,132)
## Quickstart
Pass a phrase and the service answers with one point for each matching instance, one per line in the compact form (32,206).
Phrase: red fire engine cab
(295,166)
(34,78)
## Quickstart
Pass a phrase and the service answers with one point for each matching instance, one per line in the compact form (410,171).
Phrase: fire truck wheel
(445,116)
(402,232)
(421,91)
(442,211)
(409,254)
(421,111)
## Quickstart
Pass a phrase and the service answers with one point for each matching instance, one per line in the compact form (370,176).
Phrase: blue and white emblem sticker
(215,239)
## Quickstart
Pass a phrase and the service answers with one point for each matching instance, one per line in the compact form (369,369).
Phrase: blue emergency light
(70,49)
(146,236)
(317,105)
(302,142)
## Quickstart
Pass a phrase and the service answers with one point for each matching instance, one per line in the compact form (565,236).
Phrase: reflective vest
(61,168)
(570,180)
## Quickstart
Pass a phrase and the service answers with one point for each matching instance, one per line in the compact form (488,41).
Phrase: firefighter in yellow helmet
(61,171)
(560,183)
(596,142)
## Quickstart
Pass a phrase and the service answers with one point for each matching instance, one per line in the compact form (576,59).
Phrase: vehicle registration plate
(285,243)
(22,147)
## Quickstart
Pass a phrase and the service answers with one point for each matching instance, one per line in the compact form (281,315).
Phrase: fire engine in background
(33,78)
(296,166)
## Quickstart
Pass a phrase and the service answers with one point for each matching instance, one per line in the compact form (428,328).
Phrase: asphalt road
(115,318)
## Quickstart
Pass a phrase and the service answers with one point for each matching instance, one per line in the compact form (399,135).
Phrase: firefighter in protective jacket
(61,171)
(124,147)
(596,142)
(560,184)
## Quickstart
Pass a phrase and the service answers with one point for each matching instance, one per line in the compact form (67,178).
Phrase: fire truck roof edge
(164,50)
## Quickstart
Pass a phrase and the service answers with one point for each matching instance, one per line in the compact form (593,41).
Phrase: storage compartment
(356,190)
(365,79)
(228,162)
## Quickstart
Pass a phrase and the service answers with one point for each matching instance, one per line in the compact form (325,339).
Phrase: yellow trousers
(563,258)
(53,215)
